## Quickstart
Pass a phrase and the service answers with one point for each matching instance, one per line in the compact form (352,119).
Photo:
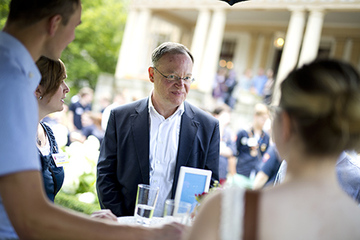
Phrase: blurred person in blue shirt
(258,82)
(269,168)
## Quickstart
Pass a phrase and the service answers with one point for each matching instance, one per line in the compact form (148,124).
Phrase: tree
(97,43)
(4,10)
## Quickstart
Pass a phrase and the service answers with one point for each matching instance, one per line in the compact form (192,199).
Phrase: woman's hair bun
(323,97)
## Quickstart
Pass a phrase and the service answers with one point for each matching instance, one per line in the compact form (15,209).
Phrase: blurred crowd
(148,141)
(241,150)
(227,87)
(248,156)
(79,120)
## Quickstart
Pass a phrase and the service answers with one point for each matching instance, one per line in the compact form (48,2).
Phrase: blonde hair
(323,99)
(260,109)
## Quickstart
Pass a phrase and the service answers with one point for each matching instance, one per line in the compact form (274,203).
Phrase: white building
(246,35)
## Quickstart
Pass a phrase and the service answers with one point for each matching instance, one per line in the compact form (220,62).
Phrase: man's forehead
(170,58)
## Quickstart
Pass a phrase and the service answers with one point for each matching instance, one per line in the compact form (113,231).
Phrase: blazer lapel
(140,132)
(188,130)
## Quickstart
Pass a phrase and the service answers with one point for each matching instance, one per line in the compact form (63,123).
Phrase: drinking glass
(177,212)
(145,203)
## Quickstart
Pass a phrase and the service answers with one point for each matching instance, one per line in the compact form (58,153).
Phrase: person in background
(348,174)
(105,100)
(252,143)
(58,121)
(36,28)
(227,143)
(245,81)
(316,120)
(50,95)
(219,87)
(230,83)
(92,125)
(77,108)
(258,83)
(242,88)
(147,141)
(269,86)
(119,99)
(269,168)
(347,171)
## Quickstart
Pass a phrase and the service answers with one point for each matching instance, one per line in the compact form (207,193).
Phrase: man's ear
(54,23)
(151,74)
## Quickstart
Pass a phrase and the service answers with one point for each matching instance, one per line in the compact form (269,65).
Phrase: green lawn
(71,201)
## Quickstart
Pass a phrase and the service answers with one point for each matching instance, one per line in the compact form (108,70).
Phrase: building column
(259,51)
(199,39)
(138,57)
(347,49)
(241,53)
(252,51)
(339,47)
(272,51)
(355,56)
(310,46)
(265,51)
(358,65)
(212,51)
(125,50)
(291,48)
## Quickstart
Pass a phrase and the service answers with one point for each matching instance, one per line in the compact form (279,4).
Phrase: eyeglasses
(173,78)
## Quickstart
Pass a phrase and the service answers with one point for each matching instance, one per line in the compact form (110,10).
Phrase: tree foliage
(4,10)
(97,43)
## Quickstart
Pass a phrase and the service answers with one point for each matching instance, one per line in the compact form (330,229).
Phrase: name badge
(60,159)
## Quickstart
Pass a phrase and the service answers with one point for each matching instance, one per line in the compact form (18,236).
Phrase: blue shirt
(223,161)
(270,163)
(348,174)
(347,171)
(259,84)
(19,78)
(248,163)
(78,110)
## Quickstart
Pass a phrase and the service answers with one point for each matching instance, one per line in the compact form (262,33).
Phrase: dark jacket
(124,153)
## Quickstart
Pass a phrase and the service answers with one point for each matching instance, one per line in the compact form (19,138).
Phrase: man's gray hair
(169,47)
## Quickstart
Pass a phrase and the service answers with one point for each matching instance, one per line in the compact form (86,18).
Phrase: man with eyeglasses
(147,141)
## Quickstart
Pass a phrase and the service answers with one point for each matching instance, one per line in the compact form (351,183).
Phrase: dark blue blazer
(124,153)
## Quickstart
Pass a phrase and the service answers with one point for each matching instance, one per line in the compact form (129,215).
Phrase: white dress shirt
(164,141)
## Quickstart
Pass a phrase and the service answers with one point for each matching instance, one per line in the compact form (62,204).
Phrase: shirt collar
(180,110)
(22,55)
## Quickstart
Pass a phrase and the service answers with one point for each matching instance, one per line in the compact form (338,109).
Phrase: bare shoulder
(286,214)
(209,210)
(206,225)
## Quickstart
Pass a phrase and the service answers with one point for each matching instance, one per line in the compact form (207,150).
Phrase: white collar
(180,110)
